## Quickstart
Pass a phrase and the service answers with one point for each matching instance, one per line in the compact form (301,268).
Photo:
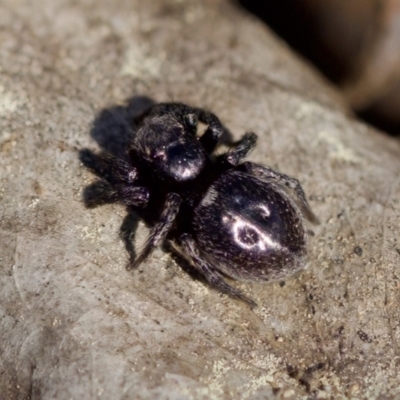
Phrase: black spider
(227,218)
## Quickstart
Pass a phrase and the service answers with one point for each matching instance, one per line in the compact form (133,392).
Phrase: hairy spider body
(227,218)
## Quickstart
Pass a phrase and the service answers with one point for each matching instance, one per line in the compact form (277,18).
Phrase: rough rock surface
(74,324)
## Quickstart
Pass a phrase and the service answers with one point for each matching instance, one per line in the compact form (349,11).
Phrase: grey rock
(76,325)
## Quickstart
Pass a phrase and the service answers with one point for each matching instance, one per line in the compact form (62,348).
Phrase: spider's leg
(116,184)
(101,192)
(136,196)
(108,167)
(214,131)
(127,233)
(241,149)
(160,231)
(287,183)
(212,276)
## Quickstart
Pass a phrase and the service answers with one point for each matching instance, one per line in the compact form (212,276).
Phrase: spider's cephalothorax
(228,217)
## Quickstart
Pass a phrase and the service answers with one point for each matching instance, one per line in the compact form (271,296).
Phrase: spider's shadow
(113,130)
(114,127)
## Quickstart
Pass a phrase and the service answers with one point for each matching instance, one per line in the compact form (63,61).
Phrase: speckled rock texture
(74,324)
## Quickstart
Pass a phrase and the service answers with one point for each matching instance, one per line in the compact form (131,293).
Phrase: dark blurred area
(355,43)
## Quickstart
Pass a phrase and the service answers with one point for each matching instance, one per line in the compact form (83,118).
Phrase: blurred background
(355,43)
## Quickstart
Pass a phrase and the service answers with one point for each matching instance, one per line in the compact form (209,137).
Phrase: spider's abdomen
(250,229)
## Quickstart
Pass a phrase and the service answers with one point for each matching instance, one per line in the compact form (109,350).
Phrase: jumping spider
(227,217)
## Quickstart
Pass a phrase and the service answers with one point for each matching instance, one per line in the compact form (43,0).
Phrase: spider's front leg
(212,276)
(101,192)
(116,184)
(108,167)
(241,150)
(214,131)
(160,231)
